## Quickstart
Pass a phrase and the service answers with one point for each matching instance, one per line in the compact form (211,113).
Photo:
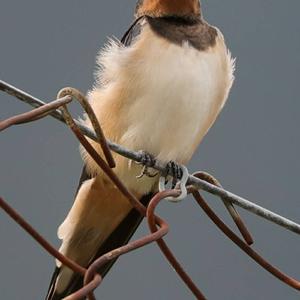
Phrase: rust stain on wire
(158,227)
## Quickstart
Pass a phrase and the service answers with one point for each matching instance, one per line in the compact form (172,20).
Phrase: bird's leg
(148,161)
(173,169)
(180,177)
(145,172)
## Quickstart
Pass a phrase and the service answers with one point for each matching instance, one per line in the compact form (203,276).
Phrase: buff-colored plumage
(161,98)
(153,96)
(137,110)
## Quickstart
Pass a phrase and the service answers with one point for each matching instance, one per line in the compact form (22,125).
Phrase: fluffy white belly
(179,93)
(161,97)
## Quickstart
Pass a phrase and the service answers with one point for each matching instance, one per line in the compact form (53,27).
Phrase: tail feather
(119,237)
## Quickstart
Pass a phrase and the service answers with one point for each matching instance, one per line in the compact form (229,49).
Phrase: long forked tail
(119,237)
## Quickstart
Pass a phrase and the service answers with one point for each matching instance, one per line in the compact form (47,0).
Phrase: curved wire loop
(239,242)
(156,235)
(158,227)
(101,163)
(136,204)
(231,209)
(91,114)
(96,265)
(164,247)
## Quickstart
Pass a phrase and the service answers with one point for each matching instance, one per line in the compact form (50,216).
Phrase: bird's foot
(174,170)
(148,161)
(146,172)
(180,176)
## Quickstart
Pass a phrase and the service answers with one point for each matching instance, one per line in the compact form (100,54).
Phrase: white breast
(173,93)
(179,93)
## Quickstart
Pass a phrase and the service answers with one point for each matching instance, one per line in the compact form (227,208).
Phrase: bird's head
(166,8)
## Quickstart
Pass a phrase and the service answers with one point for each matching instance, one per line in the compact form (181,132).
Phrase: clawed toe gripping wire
(147,161)
(187,184)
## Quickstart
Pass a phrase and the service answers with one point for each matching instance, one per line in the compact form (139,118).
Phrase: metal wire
(240,243)
(71,92)
(92,279)
(158,227)
(152,219)
(160,166)
(34,114)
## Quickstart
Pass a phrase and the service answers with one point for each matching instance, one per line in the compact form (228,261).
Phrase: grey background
(253,149)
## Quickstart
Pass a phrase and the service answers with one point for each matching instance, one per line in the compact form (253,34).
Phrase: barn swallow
(159,89)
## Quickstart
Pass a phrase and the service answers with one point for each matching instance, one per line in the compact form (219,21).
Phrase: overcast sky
(253,149)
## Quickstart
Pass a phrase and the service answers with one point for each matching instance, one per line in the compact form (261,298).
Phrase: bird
(158,89)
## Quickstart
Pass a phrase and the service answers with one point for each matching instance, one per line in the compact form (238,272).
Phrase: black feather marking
(52,284)
(133,32)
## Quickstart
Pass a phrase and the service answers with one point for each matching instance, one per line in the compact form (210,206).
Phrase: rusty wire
(239,242)
(152,219)
(35,114)
(161,166)
(154,236)
(44,243)
(91,278)
(71,92)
